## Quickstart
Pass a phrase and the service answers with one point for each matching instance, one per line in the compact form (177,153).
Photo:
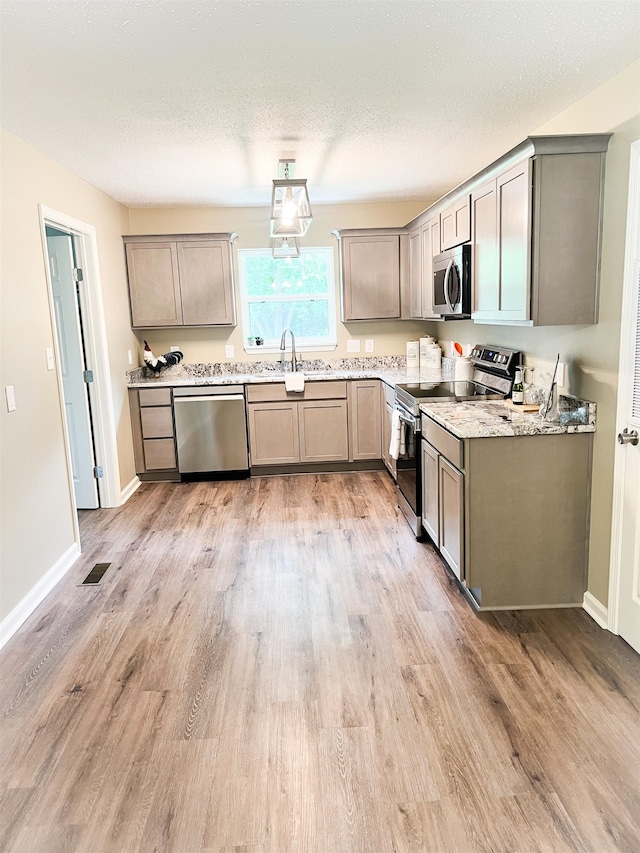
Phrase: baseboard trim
(129,489)
(596,610)
(37,594)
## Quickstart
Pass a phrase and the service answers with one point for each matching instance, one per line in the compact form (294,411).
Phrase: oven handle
(413,422)
(446,285)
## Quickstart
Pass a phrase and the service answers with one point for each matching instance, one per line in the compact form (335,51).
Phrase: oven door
(408,477)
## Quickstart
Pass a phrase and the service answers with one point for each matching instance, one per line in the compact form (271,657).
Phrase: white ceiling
(194,101)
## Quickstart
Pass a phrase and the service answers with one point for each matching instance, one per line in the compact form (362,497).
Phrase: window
(288,293)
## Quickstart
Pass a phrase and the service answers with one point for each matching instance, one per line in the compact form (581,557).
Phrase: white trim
(130,489)
(596,610)
(104,427)
(37,594)
(624,381)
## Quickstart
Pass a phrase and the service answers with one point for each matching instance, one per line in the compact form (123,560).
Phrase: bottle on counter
(517,392)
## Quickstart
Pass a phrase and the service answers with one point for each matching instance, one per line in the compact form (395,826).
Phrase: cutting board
(531,408)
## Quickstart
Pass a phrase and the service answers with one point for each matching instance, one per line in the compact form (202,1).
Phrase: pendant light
(285,247)
(290,207)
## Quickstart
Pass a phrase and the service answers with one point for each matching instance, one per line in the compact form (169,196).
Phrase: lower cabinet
(153,432)
(312,427)
(365,437)
(387,401)
(510,514)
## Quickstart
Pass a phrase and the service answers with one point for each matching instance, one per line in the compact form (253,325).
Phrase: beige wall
(36,515)
(252,226)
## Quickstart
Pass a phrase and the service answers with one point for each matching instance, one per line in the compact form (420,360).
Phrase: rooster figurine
(156,364)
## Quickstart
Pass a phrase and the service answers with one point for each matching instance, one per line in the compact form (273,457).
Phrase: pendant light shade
(290,207)
(285,247)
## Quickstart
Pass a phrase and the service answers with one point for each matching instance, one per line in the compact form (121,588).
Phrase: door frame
(97,354)
(625,382)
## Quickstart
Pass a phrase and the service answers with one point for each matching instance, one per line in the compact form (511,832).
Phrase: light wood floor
(277,665)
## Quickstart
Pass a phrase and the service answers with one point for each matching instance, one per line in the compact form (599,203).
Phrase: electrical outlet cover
(368,345)
(229,350)
(353,345)
(174,349)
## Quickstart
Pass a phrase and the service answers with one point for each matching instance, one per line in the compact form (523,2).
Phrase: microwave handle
(446,286)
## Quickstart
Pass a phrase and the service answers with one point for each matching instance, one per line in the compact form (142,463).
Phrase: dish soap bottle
(517,393)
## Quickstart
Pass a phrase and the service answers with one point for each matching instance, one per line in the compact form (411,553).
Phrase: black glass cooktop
(441,391)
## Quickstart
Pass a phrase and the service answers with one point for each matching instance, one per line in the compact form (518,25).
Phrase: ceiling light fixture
(285,247)
(290,207)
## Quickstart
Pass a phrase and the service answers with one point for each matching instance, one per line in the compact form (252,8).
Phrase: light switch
(50,363)
(368,345)
(11,398)
(229,350)
(353,345)
(561,374)
(129,356)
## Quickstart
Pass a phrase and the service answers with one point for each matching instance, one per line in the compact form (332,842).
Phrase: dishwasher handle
(209,398)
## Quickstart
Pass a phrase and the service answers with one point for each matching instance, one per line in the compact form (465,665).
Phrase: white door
(624,590)
(72,365)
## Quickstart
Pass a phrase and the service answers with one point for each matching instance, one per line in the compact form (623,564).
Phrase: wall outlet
(368,345)
(49,354)
(174,349)
(11,398)
(229,350)
(353,345)
(561,374)
(129,356)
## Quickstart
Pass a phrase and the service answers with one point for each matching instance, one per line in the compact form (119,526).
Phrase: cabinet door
(451,515)
(513,190)
(154,288)
(371,277)
(415,274)
(273,433)
(430,237)
(484,261)
(388,460)
(206,283)
(323,431)
(430,490)
(364,420)
(159,454)
(455,224)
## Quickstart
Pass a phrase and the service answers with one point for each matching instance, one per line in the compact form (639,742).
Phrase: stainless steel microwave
(452,283)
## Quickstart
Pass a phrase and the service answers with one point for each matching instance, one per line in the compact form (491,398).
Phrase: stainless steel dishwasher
(211,430)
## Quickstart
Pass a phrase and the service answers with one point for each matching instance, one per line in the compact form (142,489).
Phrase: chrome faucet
(294,364)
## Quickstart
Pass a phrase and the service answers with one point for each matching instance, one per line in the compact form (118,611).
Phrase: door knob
(626,437)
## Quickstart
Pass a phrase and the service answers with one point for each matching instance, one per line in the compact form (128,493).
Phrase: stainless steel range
(493,373)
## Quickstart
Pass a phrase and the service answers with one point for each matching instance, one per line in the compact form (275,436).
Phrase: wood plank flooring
(276,665)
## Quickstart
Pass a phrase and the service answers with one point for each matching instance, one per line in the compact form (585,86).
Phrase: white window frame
(303,344)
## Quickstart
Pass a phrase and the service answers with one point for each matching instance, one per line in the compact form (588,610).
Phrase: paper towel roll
(413,354)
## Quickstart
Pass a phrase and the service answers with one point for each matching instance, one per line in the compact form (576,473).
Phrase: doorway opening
(82,364)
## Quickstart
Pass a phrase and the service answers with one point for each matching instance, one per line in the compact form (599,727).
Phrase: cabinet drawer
(448,445)
(157,422)
(276,392)
(155,396)
(159,453)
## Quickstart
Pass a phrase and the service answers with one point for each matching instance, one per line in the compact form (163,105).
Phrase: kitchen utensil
(458,348)
(546,408)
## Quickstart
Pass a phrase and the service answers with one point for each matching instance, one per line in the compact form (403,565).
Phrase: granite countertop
(490,419)
(390,369)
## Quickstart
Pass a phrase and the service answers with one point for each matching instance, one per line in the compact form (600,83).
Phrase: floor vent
(96,573)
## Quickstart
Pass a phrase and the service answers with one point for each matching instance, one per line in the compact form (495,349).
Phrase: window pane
(306,319)
(267,276)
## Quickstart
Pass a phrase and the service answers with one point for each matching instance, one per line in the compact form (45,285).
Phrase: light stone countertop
(495,418)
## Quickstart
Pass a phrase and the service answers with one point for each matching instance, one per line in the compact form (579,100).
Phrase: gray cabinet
(293,428)
(430,246)
(372,270)
(364,420)
(387,399)
(500,269)
(415,274)
(180,280)
(455,224)
(153,433)
(510,515)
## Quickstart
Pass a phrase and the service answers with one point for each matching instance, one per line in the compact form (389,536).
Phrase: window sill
(301,348)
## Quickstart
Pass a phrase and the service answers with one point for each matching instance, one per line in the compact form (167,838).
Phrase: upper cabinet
(422,241)
(181,280)
(373,268)
(455,224)
(535,218)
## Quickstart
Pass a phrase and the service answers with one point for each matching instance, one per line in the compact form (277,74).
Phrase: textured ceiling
(187,102)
